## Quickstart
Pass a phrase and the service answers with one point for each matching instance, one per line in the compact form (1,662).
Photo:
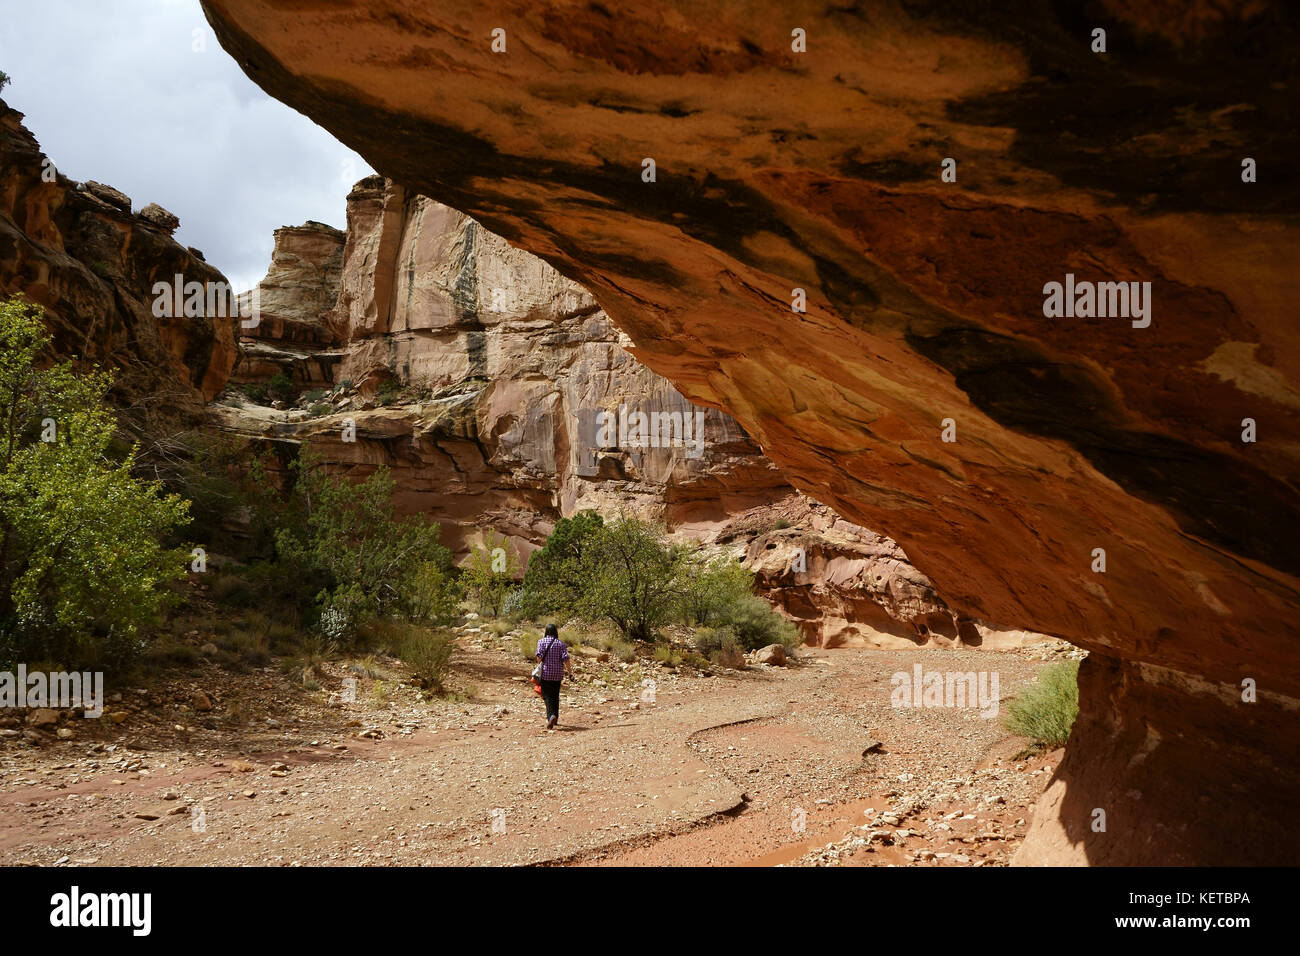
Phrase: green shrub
(712,588)
(632,578)
(431,594)
(554,576)
(83,566)
(428,653)
(222,476)
(348,534)
(1046,709)
(666,654)
(728,653)
(755,624)
(280,386)
(257,392)
(319,409)
(490,573)
(710,639)
(721,646)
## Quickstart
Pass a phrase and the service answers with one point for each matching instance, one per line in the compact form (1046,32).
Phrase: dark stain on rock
(886,171)
(1213,496)
(1157,125)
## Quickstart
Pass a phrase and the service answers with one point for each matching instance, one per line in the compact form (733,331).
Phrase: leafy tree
(82,567)
(4,80)
(432,595)
(349,535)
(712,589)
(490,574)
(554,577)
(633,578)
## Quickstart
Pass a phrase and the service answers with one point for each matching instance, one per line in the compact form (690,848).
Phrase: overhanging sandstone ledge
(821,171)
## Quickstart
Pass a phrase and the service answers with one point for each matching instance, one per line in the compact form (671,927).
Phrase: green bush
(257,392)
(755,624)
(555,573)
(280,386)
(221,475)
(431,595)
(711,590)
(490,573)
(349,536)
(667,654)
(83,567)
(633,578)
(721,647)
(1046,710)
(428,654)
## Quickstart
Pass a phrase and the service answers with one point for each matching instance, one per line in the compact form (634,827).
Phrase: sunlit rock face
(779,170)
(498,371)
(289,336)
(79,251)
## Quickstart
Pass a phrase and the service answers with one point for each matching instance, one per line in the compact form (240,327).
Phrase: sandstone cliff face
(78,251)
(299,288)
(779,170)
(477,374)
(498,368)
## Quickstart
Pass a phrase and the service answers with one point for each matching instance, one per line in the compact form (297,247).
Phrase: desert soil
(801,765)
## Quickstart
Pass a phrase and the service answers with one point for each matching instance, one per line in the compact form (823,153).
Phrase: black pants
(551,694)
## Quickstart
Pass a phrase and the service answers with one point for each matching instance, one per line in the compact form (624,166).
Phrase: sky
(139,95)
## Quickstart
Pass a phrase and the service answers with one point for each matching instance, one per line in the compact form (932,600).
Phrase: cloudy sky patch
(138,94)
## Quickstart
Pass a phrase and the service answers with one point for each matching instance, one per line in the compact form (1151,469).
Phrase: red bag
(537,687)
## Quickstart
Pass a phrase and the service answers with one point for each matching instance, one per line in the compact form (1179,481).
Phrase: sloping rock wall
(927,304)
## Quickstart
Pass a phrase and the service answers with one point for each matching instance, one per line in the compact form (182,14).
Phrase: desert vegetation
(1045,710)
(98,536)
(630,576)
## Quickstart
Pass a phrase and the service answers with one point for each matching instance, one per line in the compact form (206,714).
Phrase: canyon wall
(779,169)
(476,373)
(79,251)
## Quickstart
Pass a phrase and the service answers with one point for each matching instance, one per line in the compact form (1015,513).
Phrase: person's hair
(552,631)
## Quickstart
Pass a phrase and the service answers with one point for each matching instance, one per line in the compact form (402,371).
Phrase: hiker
(554,655)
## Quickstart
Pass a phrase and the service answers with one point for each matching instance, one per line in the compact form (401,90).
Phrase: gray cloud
(138,94)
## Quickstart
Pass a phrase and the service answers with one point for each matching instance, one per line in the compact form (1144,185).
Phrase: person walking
(554,656)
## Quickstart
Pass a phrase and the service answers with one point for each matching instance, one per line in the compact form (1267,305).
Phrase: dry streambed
(808,764)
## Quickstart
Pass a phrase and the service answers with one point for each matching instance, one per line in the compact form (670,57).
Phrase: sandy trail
(756,768)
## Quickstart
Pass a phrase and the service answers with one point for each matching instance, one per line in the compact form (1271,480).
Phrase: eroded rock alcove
(778,170)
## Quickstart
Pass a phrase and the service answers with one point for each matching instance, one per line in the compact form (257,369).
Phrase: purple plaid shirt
(552,658)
